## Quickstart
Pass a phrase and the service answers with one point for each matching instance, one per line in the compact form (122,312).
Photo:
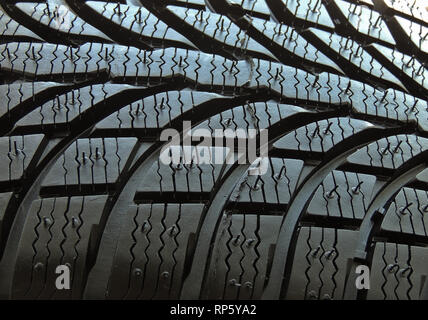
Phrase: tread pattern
(87,88)
(57,231)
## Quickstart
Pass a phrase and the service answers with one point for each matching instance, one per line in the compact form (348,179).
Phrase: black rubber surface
(88,86)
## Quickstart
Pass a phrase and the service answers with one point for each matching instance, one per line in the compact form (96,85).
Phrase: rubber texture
(88,86)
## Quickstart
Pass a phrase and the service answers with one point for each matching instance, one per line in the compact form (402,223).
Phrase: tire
(88,87)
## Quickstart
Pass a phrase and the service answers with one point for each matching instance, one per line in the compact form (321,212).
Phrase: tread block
(305,13)
(58,231)
(18,156)
(47,62)
(411,71)
(139,24)
(193,178)
(12,30)
(402,7)
(17,99)
(366,21)
(319,265)
(397,272)
(68,111)
(353,57)
(221,31)
(408,213)
(59,19)
(389,104)
(294,84)
(153,251)
(319,137)
(290,47)
(389,153)
(343,195)
(241,256)
(152,113)
(89,165)
(257,116)
(276,186)
(416,33)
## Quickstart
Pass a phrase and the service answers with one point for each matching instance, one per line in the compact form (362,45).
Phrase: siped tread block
(89,165)
(59,22)
(153,251)
(140,24)
(410,11)
(194,178)
(13,30)
(365,21)
(319,269)
(353,57)
(58,231)
(408,68)
(318,137)
(305,13)
(398,271)
(407,213)
(151,114)
(290,47)
(344,195)
(389,153)
(276,186)
(241,255)
(221,30)
(68,111)
(18,99)
(19,154)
